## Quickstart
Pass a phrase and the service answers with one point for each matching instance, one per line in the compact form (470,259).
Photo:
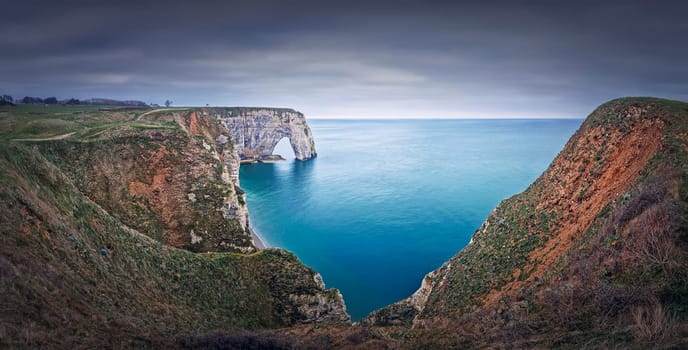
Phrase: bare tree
(168,103)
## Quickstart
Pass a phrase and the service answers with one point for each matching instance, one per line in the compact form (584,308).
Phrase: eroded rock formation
(256,132)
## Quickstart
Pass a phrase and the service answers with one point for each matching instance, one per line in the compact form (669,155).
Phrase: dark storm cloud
(355,58)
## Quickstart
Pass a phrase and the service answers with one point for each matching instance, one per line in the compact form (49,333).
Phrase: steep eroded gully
(577,177)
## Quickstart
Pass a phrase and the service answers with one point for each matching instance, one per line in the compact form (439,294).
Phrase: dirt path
(159,110)
(51,138)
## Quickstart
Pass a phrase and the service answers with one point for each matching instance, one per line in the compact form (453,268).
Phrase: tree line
(31,100)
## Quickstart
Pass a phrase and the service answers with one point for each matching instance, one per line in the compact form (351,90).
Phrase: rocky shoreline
(257,239)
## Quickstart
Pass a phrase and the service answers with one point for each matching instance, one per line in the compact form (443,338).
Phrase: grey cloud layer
(405,58)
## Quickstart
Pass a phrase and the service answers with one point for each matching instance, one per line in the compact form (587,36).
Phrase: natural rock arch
(256,132)
(284,149)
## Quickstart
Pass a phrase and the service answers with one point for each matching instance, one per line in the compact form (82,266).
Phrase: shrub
(238,340)
(652,323)
(650,193)
(653,246)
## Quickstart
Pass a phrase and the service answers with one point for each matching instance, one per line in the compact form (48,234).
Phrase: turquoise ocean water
(387,201)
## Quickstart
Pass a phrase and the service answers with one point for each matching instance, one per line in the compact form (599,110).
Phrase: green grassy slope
(74,276)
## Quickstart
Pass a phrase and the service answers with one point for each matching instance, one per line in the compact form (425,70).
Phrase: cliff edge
(593,253)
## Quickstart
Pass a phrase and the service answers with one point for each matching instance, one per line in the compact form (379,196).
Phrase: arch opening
(284,149)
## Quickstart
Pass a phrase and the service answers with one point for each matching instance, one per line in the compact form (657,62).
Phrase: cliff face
(256,132)
(597,245)
(174,183)
(129,230)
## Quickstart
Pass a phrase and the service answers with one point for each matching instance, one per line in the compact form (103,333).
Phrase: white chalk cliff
(256,132)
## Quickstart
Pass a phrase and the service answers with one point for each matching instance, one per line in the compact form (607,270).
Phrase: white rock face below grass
(256,132)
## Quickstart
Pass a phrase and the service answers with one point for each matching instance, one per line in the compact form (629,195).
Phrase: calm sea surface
(387,201)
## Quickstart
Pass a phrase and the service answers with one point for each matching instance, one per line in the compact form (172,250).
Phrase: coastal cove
(387,201)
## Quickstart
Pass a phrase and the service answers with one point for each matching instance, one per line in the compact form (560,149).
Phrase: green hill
(592,254)
(88,260)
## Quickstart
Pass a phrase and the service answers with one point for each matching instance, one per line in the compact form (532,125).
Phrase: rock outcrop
(323,308)
(404,312)
(256,132)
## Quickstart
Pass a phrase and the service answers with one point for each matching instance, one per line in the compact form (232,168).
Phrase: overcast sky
(350,58)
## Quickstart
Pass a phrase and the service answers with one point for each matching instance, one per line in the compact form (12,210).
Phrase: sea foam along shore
(257,239)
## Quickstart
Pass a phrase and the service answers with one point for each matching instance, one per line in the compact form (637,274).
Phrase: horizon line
(494,117)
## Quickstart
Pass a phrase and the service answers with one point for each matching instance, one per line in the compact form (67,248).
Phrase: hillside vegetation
(88,260)
(592,254)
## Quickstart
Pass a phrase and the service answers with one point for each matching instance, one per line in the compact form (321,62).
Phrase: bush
(648,194)
(651,323)
(240,340)
(653,246)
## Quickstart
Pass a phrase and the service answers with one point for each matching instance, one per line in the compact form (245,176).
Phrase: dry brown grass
(654,246)
(652,323)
